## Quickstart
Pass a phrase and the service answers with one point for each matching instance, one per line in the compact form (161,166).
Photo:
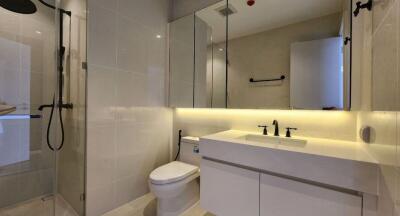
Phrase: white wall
(129,125)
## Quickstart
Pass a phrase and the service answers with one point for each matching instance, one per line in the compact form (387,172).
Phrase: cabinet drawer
(284,197)
(229,191)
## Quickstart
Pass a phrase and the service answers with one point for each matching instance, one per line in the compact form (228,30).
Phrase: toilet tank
(190,150)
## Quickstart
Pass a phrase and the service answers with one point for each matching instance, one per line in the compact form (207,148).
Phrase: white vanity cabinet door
(284,197)
(227,190)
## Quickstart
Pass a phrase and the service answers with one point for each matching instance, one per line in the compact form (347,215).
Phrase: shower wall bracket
(361,6)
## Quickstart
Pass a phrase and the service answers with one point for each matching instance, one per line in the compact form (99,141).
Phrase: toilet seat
(172,172)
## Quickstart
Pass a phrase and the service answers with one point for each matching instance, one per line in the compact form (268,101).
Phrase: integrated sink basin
(342,164)
(273,140)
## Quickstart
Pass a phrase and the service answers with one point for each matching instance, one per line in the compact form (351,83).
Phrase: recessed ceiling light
(158,36)
(38,32)
(220,49)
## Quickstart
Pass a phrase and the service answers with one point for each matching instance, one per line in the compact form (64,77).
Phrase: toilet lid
(172,172)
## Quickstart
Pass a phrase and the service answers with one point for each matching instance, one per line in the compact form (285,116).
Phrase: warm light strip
(311,123)
(314,117)
(261,111)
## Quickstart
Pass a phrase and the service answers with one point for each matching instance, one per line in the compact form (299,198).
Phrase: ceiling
(265,15)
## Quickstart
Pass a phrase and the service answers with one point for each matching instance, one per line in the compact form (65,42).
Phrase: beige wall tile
(384,64)
(126,100)
(380,10)
(384,85)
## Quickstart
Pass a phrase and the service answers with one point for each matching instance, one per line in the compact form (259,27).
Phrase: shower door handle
(45,106)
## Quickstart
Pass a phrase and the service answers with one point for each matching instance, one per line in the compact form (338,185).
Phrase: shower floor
(39,206)
(147,205)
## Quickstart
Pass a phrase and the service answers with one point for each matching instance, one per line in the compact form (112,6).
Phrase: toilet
(176,184)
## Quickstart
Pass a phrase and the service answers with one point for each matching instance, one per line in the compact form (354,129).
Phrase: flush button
(196,149)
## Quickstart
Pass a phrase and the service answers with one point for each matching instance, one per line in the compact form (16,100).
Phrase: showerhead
(19,6)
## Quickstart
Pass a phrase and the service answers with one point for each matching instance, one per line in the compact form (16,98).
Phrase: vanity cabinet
(285,197)
(228,190)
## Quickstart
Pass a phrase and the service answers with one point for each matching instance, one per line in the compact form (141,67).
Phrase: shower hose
(61,125)
(179,145)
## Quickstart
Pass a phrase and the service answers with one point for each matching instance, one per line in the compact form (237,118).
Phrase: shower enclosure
(43,81)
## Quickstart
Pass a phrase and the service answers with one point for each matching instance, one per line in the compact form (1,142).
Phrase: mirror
(210,57)
(181,61)
(198,59)
(280,56)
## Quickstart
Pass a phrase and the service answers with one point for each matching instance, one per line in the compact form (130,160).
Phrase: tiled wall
(380,91)
(129,125)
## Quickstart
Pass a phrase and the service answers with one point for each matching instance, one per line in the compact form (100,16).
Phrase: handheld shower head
(19,6)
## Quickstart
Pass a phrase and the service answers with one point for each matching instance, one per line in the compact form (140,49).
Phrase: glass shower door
(27,80)
(42,107)
(71,157)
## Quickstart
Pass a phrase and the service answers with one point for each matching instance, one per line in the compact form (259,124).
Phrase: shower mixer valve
(64,106)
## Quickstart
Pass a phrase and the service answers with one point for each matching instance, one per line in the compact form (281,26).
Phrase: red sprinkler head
(251,2)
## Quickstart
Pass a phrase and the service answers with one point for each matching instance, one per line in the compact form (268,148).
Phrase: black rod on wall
(267,80)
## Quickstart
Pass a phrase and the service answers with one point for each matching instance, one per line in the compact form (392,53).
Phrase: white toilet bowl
(175,192)
(177,184)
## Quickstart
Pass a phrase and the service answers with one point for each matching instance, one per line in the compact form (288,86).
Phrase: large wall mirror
(271,55)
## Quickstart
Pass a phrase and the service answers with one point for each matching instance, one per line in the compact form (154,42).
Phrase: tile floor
(147,205)
(143,206)
(42,206)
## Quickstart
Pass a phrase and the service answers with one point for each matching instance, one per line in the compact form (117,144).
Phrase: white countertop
(338,163)
(322,147)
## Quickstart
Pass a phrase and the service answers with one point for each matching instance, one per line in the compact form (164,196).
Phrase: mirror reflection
(198,59)
(280,56)
(210,57)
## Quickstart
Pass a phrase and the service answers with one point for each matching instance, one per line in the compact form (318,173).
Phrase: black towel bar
(267,80)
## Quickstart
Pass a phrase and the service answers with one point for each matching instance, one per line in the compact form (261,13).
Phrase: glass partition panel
(27,80)
(42,107)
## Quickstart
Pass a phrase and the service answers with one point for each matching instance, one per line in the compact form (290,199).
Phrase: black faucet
(265,131)
(288,134)
(276,133)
